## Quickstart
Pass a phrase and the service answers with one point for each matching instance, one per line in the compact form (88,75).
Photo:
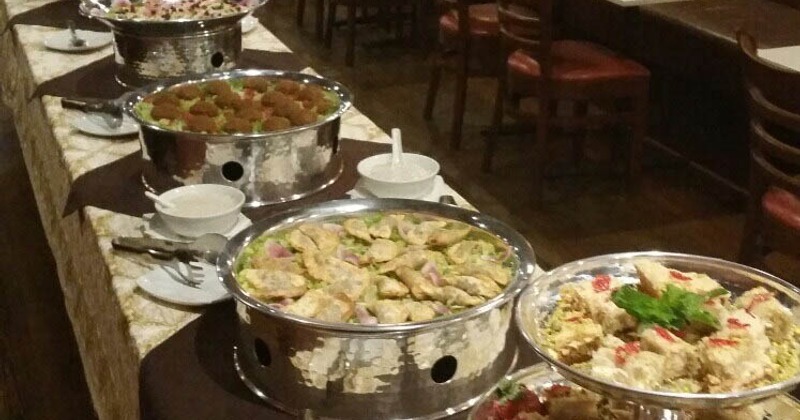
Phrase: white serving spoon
(397,149)
(158,199)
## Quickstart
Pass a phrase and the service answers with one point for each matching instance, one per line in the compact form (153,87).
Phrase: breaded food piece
(731,363)
(575,338)
(228,100)
(627,363)
(310,93)
(418,311)
(273,98)
(389,287)
(681,358)
(275,124)
(217,87)
(250,114)
(655,277)
(288,87)
(324,106)
(166,111)
(237,125)
(163,98)
(763,305)
(259,84)
(204,108)
(594,298)
(187,92)
(286,108)
(200,124)
(274,284)
(301,116)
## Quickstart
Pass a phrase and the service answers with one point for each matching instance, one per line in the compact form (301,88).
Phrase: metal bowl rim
(345,102)
(524,253)
(678,399)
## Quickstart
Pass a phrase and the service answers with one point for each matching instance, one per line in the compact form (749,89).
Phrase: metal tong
(206,247)
(110,111)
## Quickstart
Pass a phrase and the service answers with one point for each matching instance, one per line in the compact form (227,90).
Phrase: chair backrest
(528,25)
(774,98)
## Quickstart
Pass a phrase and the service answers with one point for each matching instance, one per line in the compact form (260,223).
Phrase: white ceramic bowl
(415,187)
(201,209)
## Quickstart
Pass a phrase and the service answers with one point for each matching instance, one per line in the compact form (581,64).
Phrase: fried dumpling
(273,284)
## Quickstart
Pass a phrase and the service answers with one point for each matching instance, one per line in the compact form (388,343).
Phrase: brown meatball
(163,98)
(217,87)
(227,100)
(204,108)
(324,106)
(275,124)
(250,114)
(237,125)
(273,98)
(288,87)
(286,108)
(187,92)
(310,93)
(200,124)
(260,84)
(166,112)
(250,103)
(302,117)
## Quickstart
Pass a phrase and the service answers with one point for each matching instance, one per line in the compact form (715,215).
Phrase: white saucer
(60,41)
(154,227)
(161,284)
(439,189)
(248,24)
(95,125)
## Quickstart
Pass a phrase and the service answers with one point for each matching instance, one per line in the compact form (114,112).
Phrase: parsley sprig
(674,309)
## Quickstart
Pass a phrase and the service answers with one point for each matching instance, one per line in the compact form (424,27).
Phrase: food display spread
(164,10)
(376,268)
(673,331)
(245,105)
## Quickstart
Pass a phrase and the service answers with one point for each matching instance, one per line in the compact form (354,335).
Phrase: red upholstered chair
(468,41)
(552,70)
(773,215)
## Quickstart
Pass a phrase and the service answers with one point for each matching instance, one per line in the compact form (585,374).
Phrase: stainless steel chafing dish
(151,50)
(351,371)
(268,167)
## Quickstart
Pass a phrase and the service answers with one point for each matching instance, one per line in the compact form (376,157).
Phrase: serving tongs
(109,110)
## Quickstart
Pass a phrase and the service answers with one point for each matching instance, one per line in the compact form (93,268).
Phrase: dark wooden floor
(587,212)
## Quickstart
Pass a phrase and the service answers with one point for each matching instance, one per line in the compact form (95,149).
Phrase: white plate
(154,227)
(60,41)
(162,284)
(248,24)
(439,189)
(95,125)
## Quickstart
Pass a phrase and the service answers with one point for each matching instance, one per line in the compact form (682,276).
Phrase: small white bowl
(416,187)
(201,209)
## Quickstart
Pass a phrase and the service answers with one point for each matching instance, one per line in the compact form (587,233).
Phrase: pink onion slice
(364,316)
(276,250)
(429,270)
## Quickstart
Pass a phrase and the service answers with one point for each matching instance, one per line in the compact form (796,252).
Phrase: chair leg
(638,133)
(580,109)
(319,18)
(433,88)
(350,53)
(331,19)
(497,121)
(460,100)
(301,11)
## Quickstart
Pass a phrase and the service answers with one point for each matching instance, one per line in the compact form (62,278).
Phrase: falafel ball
(310,93)
(237,125)
(275,124)
(163,98)
(289,87)
(324,106)
(187,92)
(166,111)
(286,108)
(302,117)
(227,100)
(274,97)
(260,84)
(200,124)
(217,87)
(250,114)
(204,108)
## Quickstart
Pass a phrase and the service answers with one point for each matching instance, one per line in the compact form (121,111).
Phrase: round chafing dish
(538,301)
(269,167)
(352,371)
(149,50)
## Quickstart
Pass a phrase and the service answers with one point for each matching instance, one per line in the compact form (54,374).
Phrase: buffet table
(116,325)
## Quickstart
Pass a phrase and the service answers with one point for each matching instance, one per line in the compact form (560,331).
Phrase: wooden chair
(537,65)
(319,15)
(468,41)
(773,214)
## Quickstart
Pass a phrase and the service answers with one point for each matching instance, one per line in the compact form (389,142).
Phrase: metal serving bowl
(538,301)
(351,371)
(150,50)
(268,167)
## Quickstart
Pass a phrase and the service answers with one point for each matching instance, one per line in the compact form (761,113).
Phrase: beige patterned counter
(115,323)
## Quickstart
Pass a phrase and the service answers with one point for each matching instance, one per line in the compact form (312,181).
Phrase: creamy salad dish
(375,268)
(246,105)
(673,331)
(166,10)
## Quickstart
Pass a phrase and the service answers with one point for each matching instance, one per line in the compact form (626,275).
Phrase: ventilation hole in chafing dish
(262,353)
(444,369)
(232,171)
(217,59)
